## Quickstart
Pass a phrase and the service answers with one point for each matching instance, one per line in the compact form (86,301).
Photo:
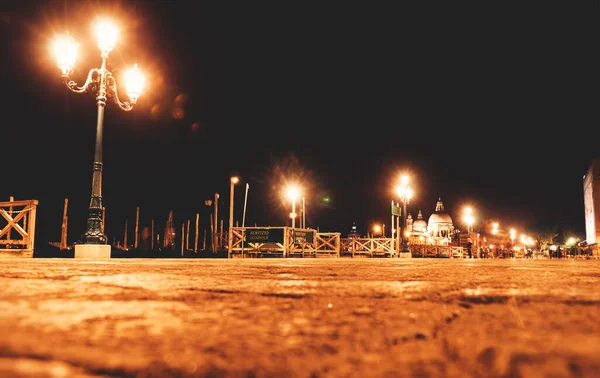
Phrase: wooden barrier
(283,242)
(370,247)
(17,228)
(425,250)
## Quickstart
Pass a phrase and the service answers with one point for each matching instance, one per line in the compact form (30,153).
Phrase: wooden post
(63,235)
(10,211)
(31,229)
(212,234)
(125,236)
(187,236)
(152,236)
(25,222)
(137,225)
(182,237)
(196,234)
(216,229)
(204,242)
(220,235)
(103,218)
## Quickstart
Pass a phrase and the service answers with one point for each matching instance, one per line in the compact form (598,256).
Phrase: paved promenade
(299,318)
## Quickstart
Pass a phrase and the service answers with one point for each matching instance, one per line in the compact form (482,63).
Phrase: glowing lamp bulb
(134,80)
(65,49)
(293,193)
(404,180)
(106,33)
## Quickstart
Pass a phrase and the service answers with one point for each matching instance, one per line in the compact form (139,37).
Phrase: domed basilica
(437,230)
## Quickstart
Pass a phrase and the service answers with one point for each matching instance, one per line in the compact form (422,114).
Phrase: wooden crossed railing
(372,247)
(324,244)
(17,227)
(425,250)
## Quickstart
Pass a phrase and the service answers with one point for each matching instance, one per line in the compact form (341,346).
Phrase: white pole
(245,201)
(294,213)
(244,218)
(230,231)
(393,239)
(303,213)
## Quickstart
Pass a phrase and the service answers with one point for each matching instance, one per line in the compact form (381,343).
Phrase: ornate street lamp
(405,193)
(293,192)
(513,235)
(469,219)
(102,81)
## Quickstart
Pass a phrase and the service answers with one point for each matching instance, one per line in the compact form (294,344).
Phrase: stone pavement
(299,318)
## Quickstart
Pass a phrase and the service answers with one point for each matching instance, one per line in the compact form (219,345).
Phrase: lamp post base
(92,251)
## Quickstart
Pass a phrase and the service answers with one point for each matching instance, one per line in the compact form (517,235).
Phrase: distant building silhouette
(591,201)
(354,232)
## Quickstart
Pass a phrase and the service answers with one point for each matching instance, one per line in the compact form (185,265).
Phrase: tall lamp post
(208,204)
(234,180)
(94,243)
(405,193)
(495,226)
(469,219)
(513,235)
(293,192)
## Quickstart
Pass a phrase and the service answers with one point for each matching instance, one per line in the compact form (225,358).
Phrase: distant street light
(100,80)
(234,180)
(293,192)
(405,193)
(208,203)
(376,230)
(495,228)
(513,235)
(469,219)
(524,241)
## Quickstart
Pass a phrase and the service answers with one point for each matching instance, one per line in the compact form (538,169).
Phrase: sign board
(304,236)
(395,210)
(264,235)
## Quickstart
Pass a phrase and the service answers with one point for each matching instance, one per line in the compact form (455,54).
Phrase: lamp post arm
(91,79)
(112,85)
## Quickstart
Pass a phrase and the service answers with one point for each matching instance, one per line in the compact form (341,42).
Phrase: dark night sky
(483,105)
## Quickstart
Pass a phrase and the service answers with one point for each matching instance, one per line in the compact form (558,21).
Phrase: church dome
(420,223)
(439,216)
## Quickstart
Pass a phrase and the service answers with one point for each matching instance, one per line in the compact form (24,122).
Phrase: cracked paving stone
(299,318)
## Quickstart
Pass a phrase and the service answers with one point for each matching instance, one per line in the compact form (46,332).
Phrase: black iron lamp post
(103,82)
